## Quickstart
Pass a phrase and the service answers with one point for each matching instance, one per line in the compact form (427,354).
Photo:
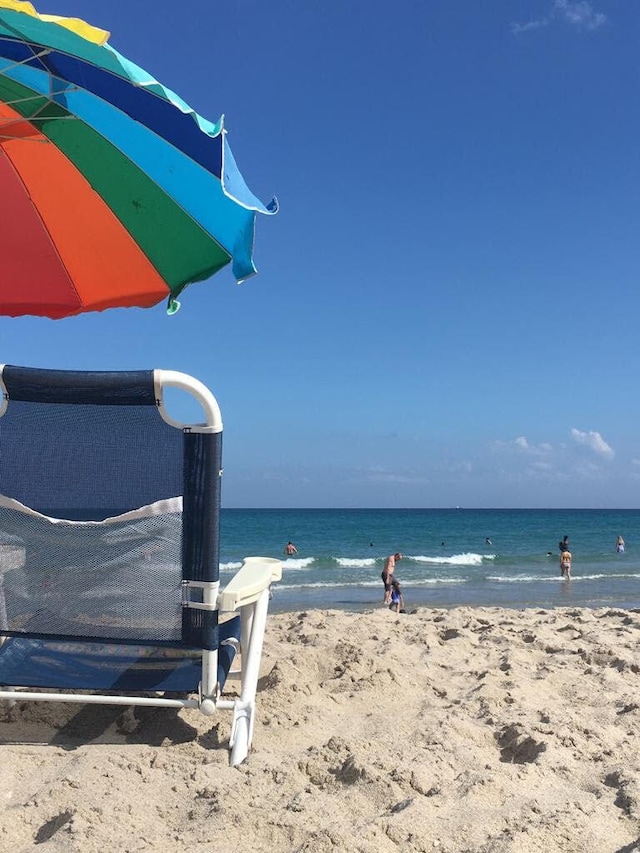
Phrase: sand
(467,730)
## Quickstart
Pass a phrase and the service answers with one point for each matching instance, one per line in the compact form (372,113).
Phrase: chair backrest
(109,509)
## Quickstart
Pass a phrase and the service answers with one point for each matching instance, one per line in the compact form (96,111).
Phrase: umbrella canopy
(113,191)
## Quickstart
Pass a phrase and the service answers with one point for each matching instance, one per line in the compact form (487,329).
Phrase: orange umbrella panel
(69,256)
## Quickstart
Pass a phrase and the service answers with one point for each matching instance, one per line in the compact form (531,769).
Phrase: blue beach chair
(109,548)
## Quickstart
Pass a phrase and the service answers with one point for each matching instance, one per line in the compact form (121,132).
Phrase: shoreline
(356,599)
(463,730)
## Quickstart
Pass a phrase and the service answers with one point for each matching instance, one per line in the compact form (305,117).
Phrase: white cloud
(523,445)
(575,13)
(594,441)
(530,25)
(579,14)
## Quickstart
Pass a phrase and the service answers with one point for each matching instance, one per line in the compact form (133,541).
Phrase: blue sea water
(446,560)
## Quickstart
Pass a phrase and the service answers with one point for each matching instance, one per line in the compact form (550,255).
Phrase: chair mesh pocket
(117,579)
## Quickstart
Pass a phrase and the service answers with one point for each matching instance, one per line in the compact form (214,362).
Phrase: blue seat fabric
(43,664)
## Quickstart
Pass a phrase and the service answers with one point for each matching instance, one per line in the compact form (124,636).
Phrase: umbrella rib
(145,85)
(52,90)
(38,97)
(31,120)
(38,55)
(8,136)
(50,100)
(123,75)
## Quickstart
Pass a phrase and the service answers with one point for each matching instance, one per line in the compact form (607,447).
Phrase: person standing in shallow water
(565,564)
(290,549)
(620,545)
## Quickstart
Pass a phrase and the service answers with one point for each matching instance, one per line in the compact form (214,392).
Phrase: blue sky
(447,307)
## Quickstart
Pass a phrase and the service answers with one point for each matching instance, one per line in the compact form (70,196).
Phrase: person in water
(620,545)
(290,549)
(565,564)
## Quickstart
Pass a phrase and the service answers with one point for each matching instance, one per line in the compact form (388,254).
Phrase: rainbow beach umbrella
(113,191)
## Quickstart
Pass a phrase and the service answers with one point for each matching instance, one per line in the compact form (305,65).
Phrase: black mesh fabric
(84,448)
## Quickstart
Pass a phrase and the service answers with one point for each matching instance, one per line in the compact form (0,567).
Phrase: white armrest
(254,576)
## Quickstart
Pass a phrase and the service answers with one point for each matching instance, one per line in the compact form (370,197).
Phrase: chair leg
(239,741)
(255,616)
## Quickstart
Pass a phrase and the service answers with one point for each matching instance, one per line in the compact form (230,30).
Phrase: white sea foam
(325,585)
(555,578)
(348,563)
(230,567)
(298,564)
(367,584)
(434,581)
(455,560)
(522,578)
(607,576)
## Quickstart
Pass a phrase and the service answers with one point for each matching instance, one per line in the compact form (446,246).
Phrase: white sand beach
(467,730)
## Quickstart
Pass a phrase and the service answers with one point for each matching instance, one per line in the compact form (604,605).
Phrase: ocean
(447,561)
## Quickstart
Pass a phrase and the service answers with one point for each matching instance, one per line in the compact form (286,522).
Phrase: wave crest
(467,559)
(348,563)
(298,564)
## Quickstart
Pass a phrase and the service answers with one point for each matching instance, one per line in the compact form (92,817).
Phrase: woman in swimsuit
(565,564)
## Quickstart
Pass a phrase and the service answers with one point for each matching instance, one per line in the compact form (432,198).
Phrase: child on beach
(397,600)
